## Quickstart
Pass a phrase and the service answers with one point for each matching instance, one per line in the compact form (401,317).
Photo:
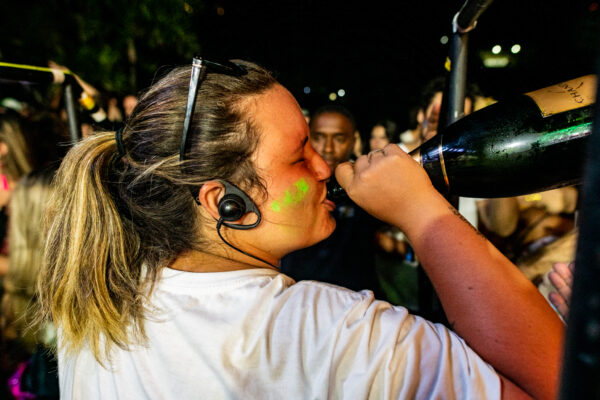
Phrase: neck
(202,261)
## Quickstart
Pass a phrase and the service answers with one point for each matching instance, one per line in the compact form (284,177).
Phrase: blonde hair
(114,223)
(28,204)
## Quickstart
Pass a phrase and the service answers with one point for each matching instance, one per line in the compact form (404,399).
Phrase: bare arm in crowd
(488,302)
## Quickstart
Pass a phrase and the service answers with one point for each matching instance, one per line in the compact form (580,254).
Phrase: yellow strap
(31,67)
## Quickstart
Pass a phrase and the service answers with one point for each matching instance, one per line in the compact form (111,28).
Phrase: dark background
(380,52)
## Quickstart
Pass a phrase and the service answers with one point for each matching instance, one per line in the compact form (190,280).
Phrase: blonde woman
(161,265)
(15,161)
(28,203)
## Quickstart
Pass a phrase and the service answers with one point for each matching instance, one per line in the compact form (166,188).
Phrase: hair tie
(119,140)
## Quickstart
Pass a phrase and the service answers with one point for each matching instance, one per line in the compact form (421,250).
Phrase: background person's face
(378,138)
(332,136)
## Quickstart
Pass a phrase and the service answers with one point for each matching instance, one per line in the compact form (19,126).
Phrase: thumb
(344,173)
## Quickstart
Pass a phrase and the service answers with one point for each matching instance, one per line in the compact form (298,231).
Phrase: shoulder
(357,336)
(328,309)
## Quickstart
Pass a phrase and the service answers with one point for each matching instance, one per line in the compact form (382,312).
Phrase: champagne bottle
(530,143)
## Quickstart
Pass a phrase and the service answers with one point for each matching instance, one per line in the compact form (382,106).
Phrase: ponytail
(91,284)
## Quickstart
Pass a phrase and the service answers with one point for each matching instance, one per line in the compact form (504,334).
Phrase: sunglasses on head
(201,67)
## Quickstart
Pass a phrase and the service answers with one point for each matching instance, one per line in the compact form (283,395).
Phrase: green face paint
(291,196)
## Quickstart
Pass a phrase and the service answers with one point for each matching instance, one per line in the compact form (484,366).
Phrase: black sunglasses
(200,67)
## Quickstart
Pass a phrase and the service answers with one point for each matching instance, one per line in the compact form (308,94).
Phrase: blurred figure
(114,112)
(534,231)
(357,150)
(347,257)
(129,103)
(306,114)
(410,136)
(15,157)
(332,134)
(383,133)
(25,144)
(430,107)
(395,257)
(19,344)
(15,161)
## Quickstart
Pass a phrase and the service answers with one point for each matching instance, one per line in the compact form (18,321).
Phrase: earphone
(234,205)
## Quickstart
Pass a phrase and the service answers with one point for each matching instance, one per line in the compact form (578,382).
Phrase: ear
(357,146)
(420,116)
(210,194)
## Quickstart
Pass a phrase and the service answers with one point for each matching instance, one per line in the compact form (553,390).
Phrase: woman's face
(378,138)
(296,213)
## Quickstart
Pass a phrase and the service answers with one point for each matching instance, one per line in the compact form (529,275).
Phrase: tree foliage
(116,45)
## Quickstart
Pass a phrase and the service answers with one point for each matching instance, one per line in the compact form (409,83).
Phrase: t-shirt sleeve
(354,346)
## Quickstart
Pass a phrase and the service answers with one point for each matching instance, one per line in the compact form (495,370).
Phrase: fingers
(565,272)
(374,153)
(344,173)
(563,289)
(561,278)
(559,303)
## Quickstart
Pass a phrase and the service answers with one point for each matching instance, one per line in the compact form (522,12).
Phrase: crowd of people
(186,246)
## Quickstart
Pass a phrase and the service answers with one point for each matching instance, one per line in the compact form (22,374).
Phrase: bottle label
(565,96)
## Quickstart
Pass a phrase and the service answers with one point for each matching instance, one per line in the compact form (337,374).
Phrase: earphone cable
(219,224)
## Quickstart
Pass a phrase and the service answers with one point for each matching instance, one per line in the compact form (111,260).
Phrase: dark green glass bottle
(527,144)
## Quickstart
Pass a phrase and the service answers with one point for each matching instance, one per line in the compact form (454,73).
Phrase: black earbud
(234,204)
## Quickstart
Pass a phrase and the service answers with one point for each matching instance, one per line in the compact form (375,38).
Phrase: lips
(329,162)
(329,204)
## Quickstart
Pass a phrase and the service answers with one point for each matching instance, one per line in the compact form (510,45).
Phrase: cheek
(293,197)
(297,209)
(343,149)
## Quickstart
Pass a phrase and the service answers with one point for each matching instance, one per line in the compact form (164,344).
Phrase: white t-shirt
(254,334)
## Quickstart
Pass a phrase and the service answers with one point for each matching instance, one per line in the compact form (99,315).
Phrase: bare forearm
(488,301)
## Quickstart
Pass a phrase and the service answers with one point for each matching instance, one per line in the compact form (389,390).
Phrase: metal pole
(74,132)
(469,13)
(458,76)
(581,364)
(453,102)
(464,21)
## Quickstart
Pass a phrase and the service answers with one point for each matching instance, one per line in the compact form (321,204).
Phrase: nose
(319,167)
(328,148)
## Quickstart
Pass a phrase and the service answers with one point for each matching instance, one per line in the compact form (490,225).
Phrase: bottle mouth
(334,191)
(416,155)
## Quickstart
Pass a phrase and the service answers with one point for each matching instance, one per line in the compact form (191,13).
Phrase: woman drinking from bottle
(164,241)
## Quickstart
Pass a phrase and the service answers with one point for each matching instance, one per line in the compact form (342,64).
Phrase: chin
(327,231)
